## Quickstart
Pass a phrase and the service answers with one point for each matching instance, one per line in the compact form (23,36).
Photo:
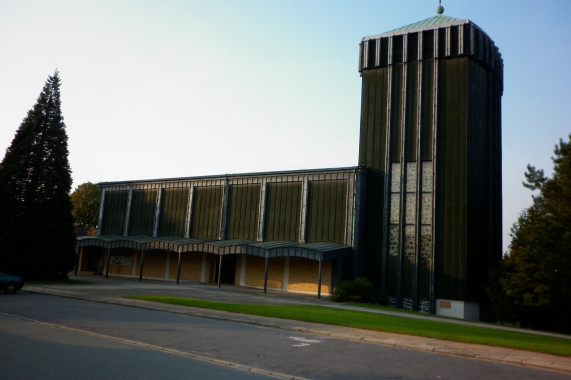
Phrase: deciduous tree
(85,202)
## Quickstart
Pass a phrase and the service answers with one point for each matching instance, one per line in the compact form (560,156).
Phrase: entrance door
(92,255)
(228,273)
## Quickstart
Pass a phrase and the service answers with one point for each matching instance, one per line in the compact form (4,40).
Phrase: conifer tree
(37,239)
(533,283)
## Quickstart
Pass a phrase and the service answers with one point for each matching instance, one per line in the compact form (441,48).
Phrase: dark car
(10,284)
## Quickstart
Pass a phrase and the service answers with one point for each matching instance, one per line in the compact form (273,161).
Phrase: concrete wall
(458,309)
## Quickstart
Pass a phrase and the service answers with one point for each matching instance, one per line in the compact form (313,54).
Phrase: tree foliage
(533,283)
(36,226)
(359,290)
(85,202)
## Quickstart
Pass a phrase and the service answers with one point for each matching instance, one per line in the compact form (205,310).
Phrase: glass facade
(413,191)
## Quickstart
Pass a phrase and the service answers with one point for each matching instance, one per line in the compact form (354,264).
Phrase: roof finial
(439,8)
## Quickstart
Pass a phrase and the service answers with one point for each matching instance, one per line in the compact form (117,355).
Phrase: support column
(219,270)
(157,212)
(142,265)
(434,179)
(303,214)
(262,210)
(107,263)
(319,280)
(266,276)
(286,274)
(203,268)
(387,179)
(128,213)
(225,211)
(243,264)
(178,267)
(187,223)
(402,203)
(77,252)
(100,215)
(418,190)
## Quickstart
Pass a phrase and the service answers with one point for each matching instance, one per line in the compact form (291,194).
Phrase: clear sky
(180,88)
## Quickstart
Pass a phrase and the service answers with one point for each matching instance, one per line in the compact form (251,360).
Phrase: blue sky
(176,88)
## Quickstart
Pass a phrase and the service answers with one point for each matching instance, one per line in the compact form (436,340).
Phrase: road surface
(54,337)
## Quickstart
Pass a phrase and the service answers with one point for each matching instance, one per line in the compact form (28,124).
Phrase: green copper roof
(428,23)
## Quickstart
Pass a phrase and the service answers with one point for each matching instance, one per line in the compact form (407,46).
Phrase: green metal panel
(327,211)
(174,208)
(379,143)
(243,214)
(372,152)
(427,113)
(207,212)
(283,210)
(373,226)
(412,47)
(373,119)
(393,284)
(424,279)
(451,179)
(396,113)
(375,86)
(364,139)
(411,112)
(484,179)
(114,212)
(407,277)
(141,220)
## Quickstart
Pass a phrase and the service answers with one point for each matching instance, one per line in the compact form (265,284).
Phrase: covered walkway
(267,250)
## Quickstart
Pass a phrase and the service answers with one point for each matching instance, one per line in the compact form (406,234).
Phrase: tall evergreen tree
(533,284)
(37,239)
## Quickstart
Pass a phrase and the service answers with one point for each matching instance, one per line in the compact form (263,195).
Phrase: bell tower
(430,138)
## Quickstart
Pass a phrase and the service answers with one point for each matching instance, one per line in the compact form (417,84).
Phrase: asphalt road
(31,350)
(53,337)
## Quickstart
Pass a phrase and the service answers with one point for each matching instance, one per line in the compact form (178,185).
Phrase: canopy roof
(267,249)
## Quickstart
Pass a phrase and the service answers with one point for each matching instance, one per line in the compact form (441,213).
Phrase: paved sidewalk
(111,290)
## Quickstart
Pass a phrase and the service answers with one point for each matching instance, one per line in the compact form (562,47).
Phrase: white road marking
(303,342)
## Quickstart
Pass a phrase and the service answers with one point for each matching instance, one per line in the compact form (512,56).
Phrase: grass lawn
(388,323)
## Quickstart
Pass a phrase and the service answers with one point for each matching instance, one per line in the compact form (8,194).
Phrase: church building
(420,216)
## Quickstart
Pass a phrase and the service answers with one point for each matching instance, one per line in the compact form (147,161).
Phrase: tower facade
(430,138)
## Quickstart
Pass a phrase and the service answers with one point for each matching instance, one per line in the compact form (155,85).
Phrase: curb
(469,350)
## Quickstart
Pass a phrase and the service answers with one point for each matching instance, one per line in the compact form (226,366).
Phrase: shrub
(358,290)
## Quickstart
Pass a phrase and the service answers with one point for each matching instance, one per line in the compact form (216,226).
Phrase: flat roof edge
(234,175)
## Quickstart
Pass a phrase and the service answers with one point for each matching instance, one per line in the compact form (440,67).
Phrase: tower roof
(438,37)
(438,21)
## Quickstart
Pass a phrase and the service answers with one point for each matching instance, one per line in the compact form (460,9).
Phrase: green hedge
(358,290)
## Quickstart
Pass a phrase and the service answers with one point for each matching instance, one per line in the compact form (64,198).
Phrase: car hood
(9,277)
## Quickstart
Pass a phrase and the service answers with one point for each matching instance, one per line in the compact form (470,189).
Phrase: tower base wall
(458,309)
